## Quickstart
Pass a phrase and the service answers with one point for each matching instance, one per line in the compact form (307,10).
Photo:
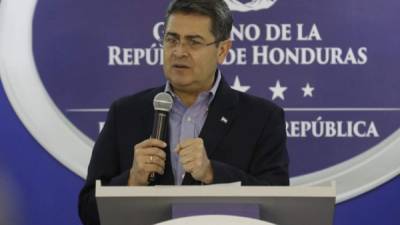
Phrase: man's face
(189,64)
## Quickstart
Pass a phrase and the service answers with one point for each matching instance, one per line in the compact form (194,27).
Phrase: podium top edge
(214,191)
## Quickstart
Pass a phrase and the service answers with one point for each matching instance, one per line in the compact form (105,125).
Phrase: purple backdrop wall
(48,190)
(70,59)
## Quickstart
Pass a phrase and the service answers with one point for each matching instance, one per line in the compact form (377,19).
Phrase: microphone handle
(159,132)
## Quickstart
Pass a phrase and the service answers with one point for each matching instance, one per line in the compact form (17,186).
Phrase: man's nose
(181,50)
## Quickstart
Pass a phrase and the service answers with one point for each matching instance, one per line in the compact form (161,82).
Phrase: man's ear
(223,50)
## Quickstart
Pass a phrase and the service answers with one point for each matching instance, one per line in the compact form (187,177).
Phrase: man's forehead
(185,24)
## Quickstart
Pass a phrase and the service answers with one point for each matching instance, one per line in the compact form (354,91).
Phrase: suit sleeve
(269,164)
(104,165)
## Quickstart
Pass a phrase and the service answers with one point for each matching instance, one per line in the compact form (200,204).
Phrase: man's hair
(216,10)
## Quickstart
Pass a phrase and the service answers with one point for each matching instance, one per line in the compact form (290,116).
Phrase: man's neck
(189,97)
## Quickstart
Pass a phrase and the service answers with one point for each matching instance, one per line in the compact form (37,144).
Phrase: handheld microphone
(162,103)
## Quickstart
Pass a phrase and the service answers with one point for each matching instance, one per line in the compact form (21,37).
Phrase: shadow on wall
(10,213)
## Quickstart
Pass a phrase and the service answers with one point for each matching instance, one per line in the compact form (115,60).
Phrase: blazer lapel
(219,118)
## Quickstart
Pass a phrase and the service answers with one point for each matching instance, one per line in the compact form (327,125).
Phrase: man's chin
(181,84)
(180,79)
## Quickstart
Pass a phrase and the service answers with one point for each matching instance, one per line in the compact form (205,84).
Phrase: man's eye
(194,42)
(171,40)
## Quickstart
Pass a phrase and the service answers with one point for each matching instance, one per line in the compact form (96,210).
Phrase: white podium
(121,205)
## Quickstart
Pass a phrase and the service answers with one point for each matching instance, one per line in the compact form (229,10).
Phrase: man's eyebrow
(176,35)
(172,34)
(193,37)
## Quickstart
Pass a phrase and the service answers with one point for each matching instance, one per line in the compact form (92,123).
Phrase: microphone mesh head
(163,102)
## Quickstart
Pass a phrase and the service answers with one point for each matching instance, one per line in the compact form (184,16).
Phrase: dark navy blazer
(248,145)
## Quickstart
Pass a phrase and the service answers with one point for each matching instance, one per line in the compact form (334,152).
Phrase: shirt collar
(212,91)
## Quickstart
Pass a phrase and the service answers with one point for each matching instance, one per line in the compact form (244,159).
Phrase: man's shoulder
(142,98)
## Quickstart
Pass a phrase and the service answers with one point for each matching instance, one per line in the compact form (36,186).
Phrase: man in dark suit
(216,134)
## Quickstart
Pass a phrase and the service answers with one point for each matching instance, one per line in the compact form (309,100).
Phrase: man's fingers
(156,160)
(189,167)
(191,141)
(143,160)
(151,151)
(193,151)
(186,159)
(156,152)
(151,142)
(194,143)
(154,168)
(148,158)
(181,151)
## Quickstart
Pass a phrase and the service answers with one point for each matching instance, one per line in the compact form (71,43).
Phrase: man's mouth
(180,66)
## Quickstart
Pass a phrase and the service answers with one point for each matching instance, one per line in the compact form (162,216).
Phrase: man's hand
(148,158)
(194,159)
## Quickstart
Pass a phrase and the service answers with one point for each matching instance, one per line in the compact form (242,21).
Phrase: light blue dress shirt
(187,122)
